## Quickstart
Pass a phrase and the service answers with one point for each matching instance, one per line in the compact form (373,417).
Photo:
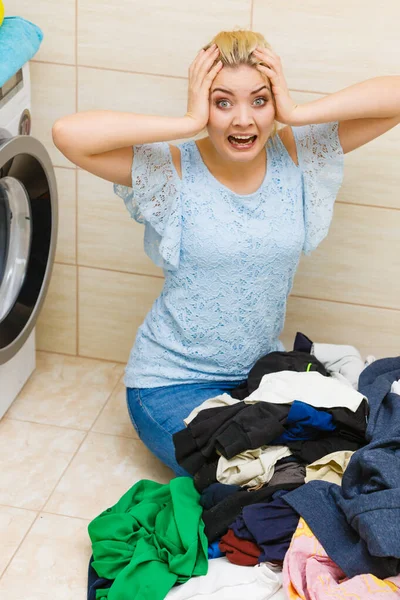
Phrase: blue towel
(304,422)
(19,42)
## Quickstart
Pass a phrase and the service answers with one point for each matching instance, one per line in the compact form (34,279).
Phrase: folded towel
(19,42)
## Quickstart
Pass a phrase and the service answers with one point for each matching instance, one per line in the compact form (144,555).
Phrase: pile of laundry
(295,491)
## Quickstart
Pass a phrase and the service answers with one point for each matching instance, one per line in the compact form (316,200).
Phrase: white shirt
(310,387)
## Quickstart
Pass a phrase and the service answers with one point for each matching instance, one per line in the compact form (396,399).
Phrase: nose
(243,116)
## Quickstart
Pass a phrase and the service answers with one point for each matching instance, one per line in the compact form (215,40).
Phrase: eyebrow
(232,94)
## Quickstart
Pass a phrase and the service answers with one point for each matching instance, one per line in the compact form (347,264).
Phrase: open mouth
(242,142)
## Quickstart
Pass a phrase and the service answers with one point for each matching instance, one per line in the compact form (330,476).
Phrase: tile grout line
(110,270)
(37,517)
(42,512)
(76,189)
(345,302)
(64,471)
(177,77)
(32,510)
(86,431)
(21,542)
(103,360)
(347,203)
(63,427)
(104,405)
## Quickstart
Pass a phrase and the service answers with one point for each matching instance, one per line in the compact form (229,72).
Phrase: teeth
(242,137)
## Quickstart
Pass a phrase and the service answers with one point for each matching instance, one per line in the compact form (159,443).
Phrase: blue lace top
(228,259)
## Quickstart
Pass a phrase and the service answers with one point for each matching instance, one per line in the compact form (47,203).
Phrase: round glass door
(15,241)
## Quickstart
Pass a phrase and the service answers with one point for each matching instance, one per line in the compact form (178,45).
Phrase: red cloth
(238,551)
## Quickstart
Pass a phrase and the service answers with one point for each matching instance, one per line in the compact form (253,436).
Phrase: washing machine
(28,233)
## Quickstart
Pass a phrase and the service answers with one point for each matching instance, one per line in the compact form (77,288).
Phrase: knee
(157,439)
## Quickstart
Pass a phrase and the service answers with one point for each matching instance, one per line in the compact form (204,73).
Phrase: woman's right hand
(201,75)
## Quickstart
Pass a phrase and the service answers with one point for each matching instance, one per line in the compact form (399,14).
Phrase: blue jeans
(157,413)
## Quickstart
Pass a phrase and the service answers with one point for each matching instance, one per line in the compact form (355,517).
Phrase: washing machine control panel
(15,103)
(11,86)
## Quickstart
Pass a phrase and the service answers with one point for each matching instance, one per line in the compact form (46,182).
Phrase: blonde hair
(236,47)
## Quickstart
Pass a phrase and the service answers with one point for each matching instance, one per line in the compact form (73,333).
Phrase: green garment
(152,538)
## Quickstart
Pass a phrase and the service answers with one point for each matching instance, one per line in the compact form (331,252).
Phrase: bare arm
(374,98)
(365,110)
(101,141)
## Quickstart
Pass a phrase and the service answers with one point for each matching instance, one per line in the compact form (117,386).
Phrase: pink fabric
(309,574)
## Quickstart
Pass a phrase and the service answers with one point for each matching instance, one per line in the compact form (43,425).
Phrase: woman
(226,217)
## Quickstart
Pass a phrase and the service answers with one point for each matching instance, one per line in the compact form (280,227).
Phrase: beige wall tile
(14,523)
(32,459)
(66,242)
(142,37)
(371,330)
(131,92)
(108,237)
(111,308)
(53,96)
(38,570)
(327,46)
(371,175)
(56,20)
(108,466)
(358,262)
(56,327)
(114,418)
(67,391)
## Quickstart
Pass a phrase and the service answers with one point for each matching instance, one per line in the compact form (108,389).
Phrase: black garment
(95,582)
(258,425)
(195,444)
(228,430)
(206,475)
(312,450)
(351,425)
(289,459)
(218,518)
(302,343)
(216,492)
(274,362)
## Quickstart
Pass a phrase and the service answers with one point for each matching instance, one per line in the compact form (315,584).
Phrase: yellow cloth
(1,12)
(330,467)
(251,467)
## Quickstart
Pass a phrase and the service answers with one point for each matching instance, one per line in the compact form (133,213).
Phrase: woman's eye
(220,101)
(262,98)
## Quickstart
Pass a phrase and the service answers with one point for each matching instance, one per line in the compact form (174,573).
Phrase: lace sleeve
(320,157)
(154,199)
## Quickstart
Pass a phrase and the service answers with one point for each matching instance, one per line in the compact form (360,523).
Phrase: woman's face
(244,107)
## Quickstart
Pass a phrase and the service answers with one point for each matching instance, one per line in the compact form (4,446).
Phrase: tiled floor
(67,452)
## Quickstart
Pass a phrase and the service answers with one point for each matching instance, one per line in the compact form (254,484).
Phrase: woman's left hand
(272,68)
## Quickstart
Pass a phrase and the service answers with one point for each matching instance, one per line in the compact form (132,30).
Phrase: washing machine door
(28,233)
(15,241)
